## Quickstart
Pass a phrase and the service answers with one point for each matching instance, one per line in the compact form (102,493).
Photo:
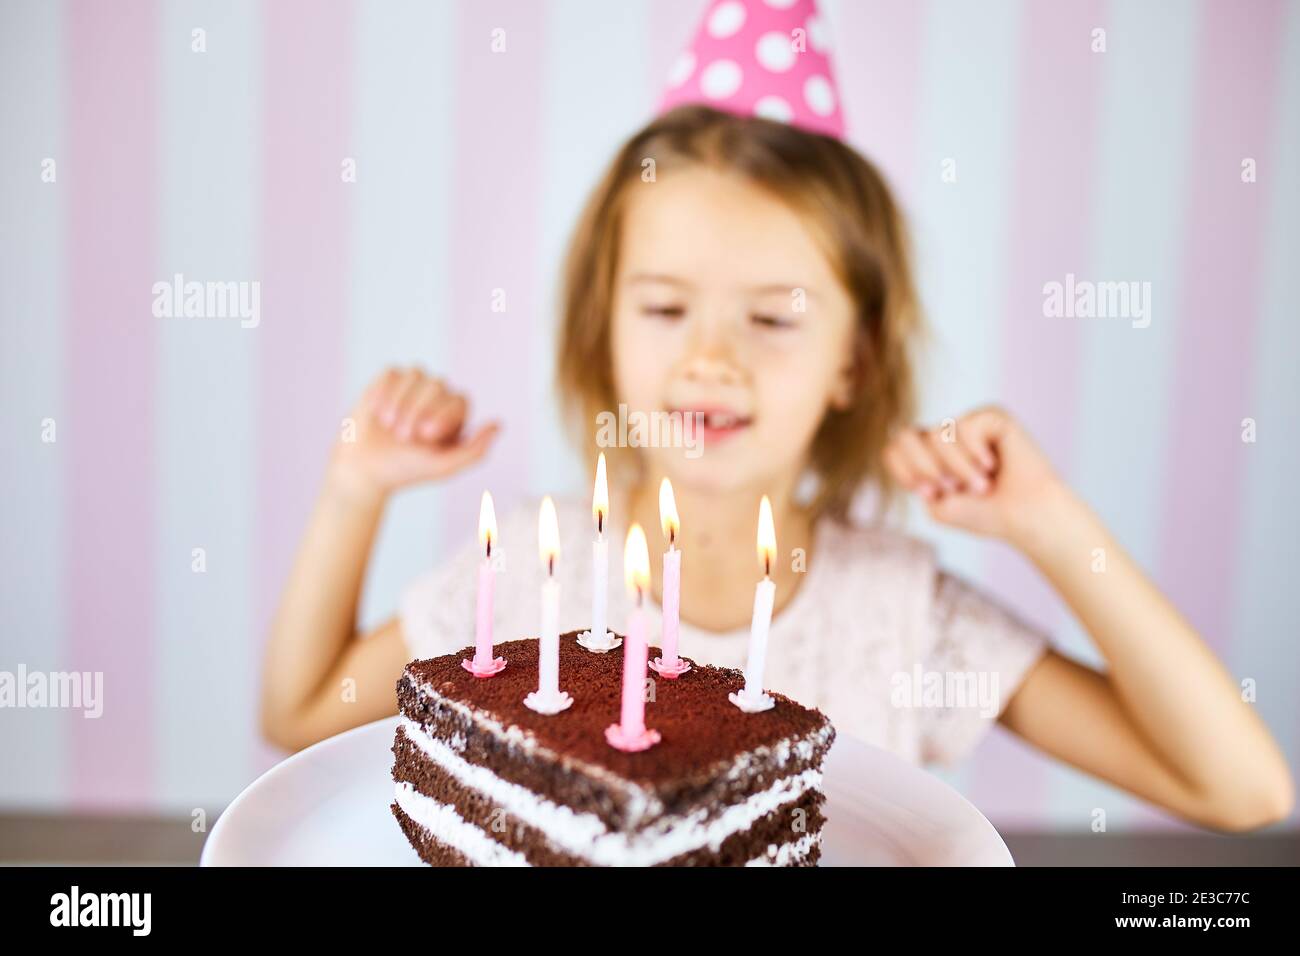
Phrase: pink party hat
(760,58)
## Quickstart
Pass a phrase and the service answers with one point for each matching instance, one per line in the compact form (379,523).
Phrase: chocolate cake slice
(482,780)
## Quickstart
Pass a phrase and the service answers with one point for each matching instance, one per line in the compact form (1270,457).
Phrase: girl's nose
(712,366)
(712,358)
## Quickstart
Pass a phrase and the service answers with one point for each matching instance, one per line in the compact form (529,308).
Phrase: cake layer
(711,757)
(453,798)
(443,838)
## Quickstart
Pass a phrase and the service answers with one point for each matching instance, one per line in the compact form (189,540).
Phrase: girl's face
(725,304)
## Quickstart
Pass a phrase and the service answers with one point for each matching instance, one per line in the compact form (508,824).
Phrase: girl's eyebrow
(655,277)
(769,288)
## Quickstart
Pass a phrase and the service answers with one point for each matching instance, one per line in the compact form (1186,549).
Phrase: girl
(759,280)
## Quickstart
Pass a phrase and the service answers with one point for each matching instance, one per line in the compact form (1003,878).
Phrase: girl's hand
(982,474)
(407,428)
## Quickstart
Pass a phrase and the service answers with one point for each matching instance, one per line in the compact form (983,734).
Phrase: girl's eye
(772,322)
(664,311)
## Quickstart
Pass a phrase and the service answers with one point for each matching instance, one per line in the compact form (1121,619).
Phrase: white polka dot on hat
(768,58)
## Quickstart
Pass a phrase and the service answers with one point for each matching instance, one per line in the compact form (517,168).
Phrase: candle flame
(548,534)
(636,562)
(487,523)
(766,536)
(668,511)
(600,496)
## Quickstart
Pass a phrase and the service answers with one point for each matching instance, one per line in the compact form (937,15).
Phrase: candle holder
(620,739)
(755,704)
(548,703)
(609,643)
(670,671)
(492,668)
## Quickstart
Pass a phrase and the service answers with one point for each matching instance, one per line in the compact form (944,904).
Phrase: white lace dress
(894,650)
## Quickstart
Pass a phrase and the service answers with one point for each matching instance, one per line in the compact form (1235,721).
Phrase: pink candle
(483,664)
(483,617)
(672,602)
(634,661)
(630,734)
(669,665)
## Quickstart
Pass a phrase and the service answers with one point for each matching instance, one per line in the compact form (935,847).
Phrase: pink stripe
(876,53)
(497,223)
(1217,308)
(672,24)
(307,77)
(1048,236)
(111,170)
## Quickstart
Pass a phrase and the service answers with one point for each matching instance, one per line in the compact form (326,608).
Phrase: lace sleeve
(979,652)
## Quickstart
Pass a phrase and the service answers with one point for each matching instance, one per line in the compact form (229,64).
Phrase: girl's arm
(320,676)
(1166,721)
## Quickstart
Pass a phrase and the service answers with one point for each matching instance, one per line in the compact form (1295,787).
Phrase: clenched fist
(982,473)
(408,428)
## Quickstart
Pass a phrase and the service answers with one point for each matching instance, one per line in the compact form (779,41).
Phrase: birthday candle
(752,698)
(669,665)
(483,664)
(548,699)
(630,734)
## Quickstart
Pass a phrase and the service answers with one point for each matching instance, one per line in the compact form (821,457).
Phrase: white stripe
(586,836)
(399,305)
(584,123)
(452,829)
(1144,126)
(1144,120)
(209,153)
(32,597)
(967,113)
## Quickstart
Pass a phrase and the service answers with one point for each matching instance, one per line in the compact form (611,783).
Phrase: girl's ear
(848,379)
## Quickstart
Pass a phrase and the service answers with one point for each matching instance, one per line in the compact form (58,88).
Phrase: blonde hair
(860,226)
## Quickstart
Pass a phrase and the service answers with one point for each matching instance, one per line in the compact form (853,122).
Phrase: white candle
(599,582)
(764,598)
(752,699)
(548,669)
(669,665)
(548,698)
(599,638)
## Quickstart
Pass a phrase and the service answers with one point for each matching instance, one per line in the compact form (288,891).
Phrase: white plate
(328,806)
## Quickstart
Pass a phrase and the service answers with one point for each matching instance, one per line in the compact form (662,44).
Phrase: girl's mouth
(718,424)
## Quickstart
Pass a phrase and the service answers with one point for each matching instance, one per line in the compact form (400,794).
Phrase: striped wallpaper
(228,164)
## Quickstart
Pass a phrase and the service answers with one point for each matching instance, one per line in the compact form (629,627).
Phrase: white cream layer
(452,829)
(585,835)
(788,853)
(470,841)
